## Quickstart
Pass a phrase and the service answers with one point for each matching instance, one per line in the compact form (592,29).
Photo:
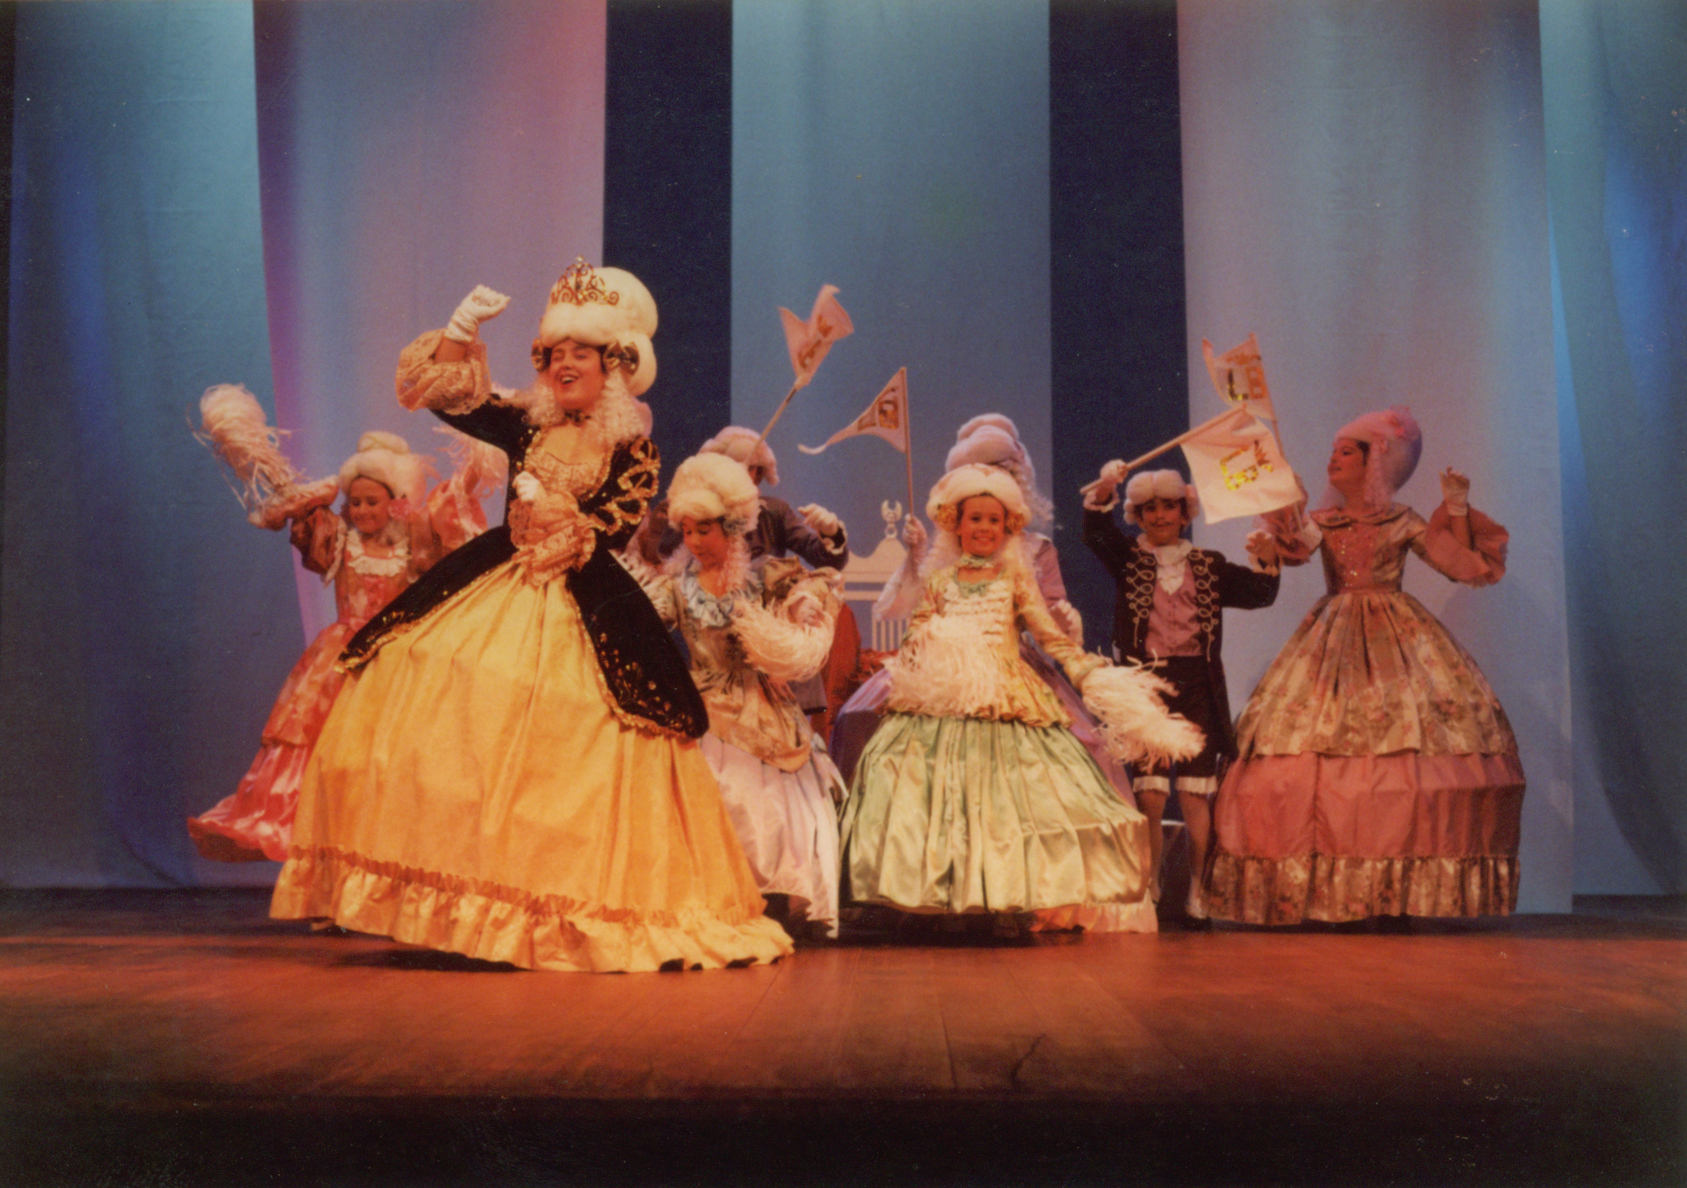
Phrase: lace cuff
(455,388)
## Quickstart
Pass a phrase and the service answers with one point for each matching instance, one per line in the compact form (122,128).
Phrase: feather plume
(484,466)
(234,428)
(942,670)
(782,649)
(1135,724)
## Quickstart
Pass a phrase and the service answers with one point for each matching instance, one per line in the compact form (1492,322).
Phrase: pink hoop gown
(1377,773)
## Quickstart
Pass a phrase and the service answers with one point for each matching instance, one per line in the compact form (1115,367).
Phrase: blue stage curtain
(1615,79)
(1116,249)
(899,150)
(146,626)
(667,201)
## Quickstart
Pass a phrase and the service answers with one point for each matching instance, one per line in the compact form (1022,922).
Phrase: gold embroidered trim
(561,907)
(622,714)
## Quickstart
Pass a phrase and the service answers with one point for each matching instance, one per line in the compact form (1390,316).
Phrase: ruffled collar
(1168,561)
(359,560)
(712,611)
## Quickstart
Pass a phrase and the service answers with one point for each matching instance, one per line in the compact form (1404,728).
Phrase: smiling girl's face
(982,525)
(368,505)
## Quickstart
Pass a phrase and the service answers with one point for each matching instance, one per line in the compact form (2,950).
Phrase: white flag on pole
(1238,375)
(1237,465)
(809,341)
(885,418)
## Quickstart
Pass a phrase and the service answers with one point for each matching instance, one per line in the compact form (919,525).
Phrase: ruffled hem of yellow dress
(492,922)
(1324,888)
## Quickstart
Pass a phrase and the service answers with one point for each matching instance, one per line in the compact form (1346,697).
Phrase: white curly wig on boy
(1160,484)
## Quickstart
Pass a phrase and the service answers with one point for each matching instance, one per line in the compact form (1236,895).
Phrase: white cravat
(1169,561)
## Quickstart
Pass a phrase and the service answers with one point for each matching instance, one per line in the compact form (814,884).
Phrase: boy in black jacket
(1167,615)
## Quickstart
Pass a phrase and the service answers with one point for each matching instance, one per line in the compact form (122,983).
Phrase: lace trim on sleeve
(442,387)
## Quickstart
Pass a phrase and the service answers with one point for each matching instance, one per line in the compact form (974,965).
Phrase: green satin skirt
(965,815)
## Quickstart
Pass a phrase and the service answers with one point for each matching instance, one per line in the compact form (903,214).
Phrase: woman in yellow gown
(511,772)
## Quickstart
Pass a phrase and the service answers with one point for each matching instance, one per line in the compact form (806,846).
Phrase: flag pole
(908,454)
(778,412)
(1170,445)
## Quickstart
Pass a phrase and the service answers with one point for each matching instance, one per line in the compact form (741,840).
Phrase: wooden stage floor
(165,1038)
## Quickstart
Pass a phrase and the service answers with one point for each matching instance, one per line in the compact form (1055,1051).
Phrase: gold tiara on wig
(580,285)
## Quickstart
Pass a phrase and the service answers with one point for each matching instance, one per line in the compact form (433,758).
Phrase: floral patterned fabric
(1378,774)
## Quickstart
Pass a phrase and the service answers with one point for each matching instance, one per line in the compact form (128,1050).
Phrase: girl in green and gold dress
(973,796)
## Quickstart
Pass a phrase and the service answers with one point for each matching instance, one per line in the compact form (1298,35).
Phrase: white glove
(481,305)
(1455,492)
(914,536)
(527,487)
(821,520)
(1098,496)
(1262,547)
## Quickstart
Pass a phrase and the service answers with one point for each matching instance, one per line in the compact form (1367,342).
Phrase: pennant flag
(886,418)
(1238,467)
(1239,376)
(809,341)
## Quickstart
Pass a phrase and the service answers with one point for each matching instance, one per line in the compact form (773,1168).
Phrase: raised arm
(1034,614)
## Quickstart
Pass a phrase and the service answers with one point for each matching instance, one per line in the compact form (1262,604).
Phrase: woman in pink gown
(1377,774)
(387,535)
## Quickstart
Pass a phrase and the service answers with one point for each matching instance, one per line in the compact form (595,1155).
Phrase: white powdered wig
(1160,484)
(964,482)
(714,487)
(604,307)
(1135,724)
(992,439)
(746,446)
(942,671)
(987,446)
(1393,445)
(999,421)
(386,458)
(784,650)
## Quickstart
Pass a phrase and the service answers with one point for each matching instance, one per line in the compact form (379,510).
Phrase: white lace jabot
(1169,561)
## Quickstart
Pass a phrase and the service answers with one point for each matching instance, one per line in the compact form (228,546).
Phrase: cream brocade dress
(780,787)
(477,789)
(1377,773)
(974,795)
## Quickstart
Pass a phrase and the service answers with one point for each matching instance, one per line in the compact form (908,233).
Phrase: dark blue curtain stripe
(667,207)
(8,57)
(1116,227)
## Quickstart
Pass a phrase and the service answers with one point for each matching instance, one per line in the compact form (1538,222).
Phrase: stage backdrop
(898,150)
(284,195)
